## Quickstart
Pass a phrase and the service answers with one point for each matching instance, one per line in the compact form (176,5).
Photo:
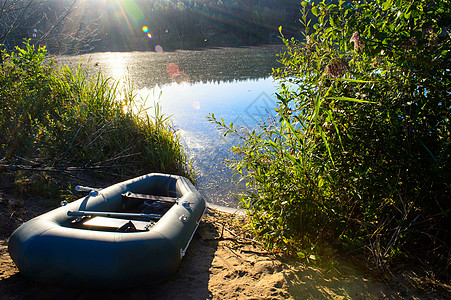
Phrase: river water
(233,83)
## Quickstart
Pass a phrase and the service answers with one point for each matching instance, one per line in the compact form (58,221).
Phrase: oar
(149,197)
(78,213)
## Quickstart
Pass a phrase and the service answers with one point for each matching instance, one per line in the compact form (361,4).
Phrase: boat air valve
(183,218)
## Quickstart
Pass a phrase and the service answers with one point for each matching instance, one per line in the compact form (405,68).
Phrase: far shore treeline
(140,25)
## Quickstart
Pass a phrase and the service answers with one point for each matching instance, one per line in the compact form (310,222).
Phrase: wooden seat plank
(115,223)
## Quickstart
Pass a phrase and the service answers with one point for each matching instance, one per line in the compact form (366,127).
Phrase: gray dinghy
(131,233)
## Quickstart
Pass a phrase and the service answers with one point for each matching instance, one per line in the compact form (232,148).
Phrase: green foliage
(360,152)
(58,119)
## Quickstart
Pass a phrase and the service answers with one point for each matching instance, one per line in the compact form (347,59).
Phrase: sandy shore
(221,263)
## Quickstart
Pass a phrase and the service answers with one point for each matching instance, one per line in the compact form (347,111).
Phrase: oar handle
(81,188)
(93,192)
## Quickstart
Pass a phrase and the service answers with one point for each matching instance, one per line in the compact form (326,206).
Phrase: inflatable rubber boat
(131,233)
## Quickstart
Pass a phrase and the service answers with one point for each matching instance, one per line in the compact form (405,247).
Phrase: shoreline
(225,209)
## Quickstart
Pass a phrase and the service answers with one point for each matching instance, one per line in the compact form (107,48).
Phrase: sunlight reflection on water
(244,103)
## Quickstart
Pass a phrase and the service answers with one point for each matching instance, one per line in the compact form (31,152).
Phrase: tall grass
(58,119)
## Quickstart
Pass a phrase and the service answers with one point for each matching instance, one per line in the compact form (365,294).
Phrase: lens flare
(149,35)
(158,49)
(173,70)
(145,29)
(196,105)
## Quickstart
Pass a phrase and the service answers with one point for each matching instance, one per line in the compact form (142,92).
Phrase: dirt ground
(222,262)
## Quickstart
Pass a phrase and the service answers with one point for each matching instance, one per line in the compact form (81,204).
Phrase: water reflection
(245,103)
(232,83)
(148,69)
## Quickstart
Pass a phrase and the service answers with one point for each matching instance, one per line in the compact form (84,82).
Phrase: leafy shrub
(360,153)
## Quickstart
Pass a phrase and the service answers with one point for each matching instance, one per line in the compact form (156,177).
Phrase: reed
(58,119)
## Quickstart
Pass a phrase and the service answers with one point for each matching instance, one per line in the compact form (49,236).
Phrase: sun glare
(117,65)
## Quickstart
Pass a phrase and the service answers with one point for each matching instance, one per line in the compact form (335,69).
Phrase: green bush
(360,153)
(58,119)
